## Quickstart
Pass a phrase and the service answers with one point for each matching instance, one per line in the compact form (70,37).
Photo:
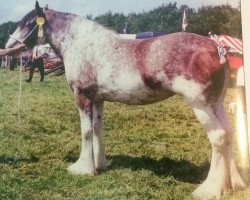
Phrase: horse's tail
(223,51)
(219,78)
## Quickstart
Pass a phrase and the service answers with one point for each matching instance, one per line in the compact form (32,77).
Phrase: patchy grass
(157,151)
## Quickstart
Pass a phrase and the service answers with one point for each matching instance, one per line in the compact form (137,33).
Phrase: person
(37,62)
(10,51)
(13,63)
(213,37)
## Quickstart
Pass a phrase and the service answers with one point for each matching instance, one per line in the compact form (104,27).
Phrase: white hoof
(237,182)
(210,190)
(81,168)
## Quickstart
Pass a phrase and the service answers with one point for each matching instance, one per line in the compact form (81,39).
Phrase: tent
(235,44)
(235,50)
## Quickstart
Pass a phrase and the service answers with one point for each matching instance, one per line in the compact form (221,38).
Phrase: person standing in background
(37,62)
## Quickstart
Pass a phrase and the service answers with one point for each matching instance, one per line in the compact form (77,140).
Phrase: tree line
(167,18)
(6,29)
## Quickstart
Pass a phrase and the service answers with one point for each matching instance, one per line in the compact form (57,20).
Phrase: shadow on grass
(181,170)
(16,160)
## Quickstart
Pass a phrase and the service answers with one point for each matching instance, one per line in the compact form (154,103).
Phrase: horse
(101,66)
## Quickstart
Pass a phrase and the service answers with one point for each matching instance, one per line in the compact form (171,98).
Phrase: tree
(6,29)
(167,18)
(219,19)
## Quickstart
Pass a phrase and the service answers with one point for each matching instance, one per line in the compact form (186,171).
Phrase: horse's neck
(76,33)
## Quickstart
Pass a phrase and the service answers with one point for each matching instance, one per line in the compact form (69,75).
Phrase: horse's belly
(140,96)
(127,86)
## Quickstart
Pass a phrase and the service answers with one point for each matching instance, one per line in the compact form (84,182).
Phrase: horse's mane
(66,16)
(29,18)
(32,14)
(62,14)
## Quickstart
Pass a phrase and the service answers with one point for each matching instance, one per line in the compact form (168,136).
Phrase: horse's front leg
(99,153)
(85,163)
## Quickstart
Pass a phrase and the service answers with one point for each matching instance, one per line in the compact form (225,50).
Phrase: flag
(184,22)
(125,28)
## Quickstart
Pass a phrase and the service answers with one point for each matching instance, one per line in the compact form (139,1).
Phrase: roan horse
(101,66)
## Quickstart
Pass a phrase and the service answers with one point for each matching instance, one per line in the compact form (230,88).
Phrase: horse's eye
(29,24)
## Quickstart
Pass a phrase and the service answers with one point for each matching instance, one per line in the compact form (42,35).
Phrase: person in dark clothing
(13,64)
(37,62)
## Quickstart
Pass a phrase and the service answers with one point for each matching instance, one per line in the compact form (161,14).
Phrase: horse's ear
(39,10)
(46,7)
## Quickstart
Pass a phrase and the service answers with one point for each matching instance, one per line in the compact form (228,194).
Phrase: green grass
(157,151)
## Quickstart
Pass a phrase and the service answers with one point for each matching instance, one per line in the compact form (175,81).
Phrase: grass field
(157,151)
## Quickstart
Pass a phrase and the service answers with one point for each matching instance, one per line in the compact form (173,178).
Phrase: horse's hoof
(82,168)
(210,190)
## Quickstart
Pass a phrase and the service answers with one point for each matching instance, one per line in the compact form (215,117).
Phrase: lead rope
(16,158)
(20,89)
(19,106)
(20,76)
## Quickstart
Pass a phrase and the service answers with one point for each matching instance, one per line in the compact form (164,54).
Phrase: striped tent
(235,47)
(235,44)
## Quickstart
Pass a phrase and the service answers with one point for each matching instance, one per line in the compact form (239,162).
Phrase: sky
(14,10)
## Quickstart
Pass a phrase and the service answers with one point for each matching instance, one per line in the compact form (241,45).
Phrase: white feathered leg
(236,180)
(99,153)
(218,180)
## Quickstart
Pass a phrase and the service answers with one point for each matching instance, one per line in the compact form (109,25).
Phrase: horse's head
(27,30)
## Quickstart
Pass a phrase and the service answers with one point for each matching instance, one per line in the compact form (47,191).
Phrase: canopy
(235,44)
(234,57)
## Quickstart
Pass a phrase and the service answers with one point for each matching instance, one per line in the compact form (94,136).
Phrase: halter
(39,23)
(21,41)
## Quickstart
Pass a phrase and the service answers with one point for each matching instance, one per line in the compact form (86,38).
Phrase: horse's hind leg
(219,177)
(99,154)
(236,180)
